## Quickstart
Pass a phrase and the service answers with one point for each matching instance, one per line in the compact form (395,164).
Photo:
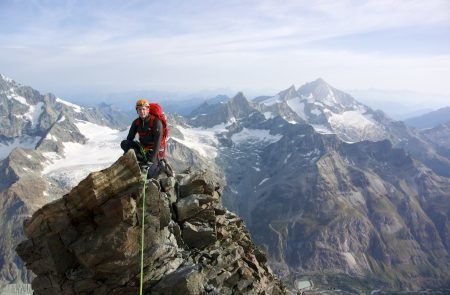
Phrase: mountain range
(431,119)
(334,191)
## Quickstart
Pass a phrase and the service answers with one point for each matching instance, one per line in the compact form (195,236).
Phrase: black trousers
(142,156)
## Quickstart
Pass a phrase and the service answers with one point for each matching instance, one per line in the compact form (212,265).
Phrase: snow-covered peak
(327,109)
(271,100)
(11,94)
(75,107)
(34,110)
(317,90)
(282,96)
(7,79)
(25,142)
(239,98)
(288,93)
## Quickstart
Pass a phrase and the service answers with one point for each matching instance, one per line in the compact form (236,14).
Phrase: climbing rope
(142,238)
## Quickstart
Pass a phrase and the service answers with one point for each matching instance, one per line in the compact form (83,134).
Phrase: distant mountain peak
(291,88)
(288,93)
(7,79)
(220,98)
(240,94)
(9,82)
(239,98)
(317,86)
(431,119)
(320,81)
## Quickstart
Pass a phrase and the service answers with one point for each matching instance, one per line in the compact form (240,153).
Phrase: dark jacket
(149,136)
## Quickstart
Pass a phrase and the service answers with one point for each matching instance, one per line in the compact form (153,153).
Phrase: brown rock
(187,280)
(89,242)
(198,235)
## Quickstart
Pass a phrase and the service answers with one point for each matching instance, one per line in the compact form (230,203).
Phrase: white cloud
(195,45)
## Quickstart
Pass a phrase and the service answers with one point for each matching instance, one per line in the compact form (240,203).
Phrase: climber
(150,129)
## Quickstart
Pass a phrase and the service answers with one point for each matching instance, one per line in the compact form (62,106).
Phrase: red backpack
(156,111)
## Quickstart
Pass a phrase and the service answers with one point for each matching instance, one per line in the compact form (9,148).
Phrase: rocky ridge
(88,242)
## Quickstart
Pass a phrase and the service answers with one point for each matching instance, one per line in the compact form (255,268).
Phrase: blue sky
(256,46)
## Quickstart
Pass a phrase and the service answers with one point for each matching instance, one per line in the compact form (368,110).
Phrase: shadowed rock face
(89,241)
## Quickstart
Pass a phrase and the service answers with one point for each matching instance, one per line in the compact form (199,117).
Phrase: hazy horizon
(392,103)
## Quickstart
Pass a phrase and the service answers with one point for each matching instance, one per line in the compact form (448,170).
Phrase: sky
(258,46)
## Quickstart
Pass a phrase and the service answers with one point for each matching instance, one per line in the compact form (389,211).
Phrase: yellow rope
(142,239)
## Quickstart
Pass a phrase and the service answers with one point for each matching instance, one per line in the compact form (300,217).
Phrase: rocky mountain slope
(440,136)
(89,241)
(365,210)
(47,145)
(335,191)
(36,131)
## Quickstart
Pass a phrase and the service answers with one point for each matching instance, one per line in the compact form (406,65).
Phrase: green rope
(142,240)
(142,150)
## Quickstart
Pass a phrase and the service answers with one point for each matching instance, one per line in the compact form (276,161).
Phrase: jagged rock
(198,235)
(199,182)
(89,241)
(186,280)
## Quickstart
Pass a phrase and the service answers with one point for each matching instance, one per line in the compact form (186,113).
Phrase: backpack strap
(152,119)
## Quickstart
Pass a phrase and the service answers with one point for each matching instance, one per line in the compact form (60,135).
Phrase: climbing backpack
(156,111)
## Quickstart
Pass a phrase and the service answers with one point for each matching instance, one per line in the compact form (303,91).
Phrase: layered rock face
(364,211)
(89,241)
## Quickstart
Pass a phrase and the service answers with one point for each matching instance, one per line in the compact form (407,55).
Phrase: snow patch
(16,97)
(355,125)
(351,261)
(102,148)
(63,118)
(330,99)
(316,112)
(7,79)
(298,107)
(51,137)
(25,142)
(314,152)
(272,100)
(353,118)
(268,115)
(287,158)
(34,113)
(322,129)
(75,107)
(262,181)
(255,135)
(308,97)
(202,140)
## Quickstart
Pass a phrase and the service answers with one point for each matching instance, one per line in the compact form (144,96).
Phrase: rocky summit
(89,241)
